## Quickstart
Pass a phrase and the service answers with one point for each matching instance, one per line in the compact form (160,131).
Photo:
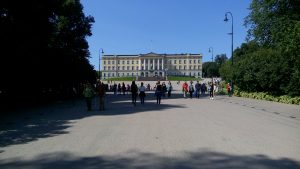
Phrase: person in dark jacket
(134,92)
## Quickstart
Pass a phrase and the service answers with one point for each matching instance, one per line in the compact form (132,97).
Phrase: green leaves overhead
(44,44)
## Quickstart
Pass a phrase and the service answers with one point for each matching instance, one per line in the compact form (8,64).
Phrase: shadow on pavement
(32,124)
(137,160)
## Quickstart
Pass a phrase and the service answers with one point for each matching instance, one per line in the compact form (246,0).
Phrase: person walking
(134,91)
(191,89)
(158,92)
(88,93)
(101,90)
(142,94)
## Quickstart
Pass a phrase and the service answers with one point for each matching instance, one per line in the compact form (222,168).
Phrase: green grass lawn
(176,78)
(121,79)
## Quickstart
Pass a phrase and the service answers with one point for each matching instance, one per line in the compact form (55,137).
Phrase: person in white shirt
(142,94)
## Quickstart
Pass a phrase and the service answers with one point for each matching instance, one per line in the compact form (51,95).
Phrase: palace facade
(151,64)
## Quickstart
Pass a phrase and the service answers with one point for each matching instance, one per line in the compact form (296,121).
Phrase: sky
(125,27)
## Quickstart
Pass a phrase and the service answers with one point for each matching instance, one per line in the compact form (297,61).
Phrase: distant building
(151,64)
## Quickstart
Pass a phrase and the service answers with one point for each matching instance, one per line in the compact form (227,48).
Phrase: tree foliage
(210,69)
(43,46)
(270,60)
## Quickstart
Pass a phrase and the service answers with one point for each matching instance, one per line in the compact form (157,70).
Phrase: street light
(100,51)
(211,50)
(226,19)
(166,73)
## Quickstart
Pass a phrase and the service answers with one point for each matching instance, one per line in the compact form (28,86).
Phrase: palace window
(194,60)
(190,61)
(123,62)
(104,62)
(104,68)
(113,68)
(184,61)
(179,61)
(108,62)
(132,62)
(175,61)
(104,74)
(118,62)
(108,68)
(127,61)
(127,67)
(132,68)
(123,67)
(112,62)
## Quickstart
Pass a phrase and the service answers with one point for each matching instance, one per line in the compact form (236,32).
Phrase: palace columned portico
(151,64)
(149,67)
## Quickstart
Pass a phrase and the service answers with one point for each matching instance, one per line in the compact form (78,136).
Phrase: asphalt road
(180,133)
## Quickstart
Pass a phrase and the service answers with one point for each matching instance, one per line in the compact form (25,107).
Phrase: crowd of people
(139,91)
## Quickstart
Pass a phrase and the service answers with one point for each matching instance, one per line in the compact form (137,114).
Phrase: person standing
(142,94)
(158,92)
(123,88)
(197,87)
(169,88)
(88,93)
(101,90)
(184,89)
(228,87)
(134,90)
(191,89)
(211,91)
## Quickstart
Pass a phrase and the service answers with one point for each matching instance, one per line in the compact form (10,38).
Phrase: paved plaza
(181,133)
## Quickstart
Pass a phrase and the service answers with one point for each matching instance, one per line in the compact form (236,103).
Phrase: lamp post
(211,50)
(100,52)
(226,19)
(166,73)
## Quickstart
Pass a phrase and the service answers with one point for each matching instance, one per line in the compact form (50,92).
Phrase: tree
(43,47)
(221,59)
(210,69)
(274,28)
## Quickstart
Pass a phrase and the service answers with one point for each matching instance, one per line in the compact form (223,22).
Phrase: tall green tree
(270,60)
(43,46)
(221,59)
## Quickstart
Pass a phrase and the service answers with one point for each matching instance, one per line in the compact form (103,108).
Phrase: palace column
(158,68)
(140,63)
(148,63)
(144,67)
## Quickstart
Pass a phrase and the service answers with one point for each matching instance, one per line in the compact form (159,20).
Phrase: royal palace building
(151,64)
